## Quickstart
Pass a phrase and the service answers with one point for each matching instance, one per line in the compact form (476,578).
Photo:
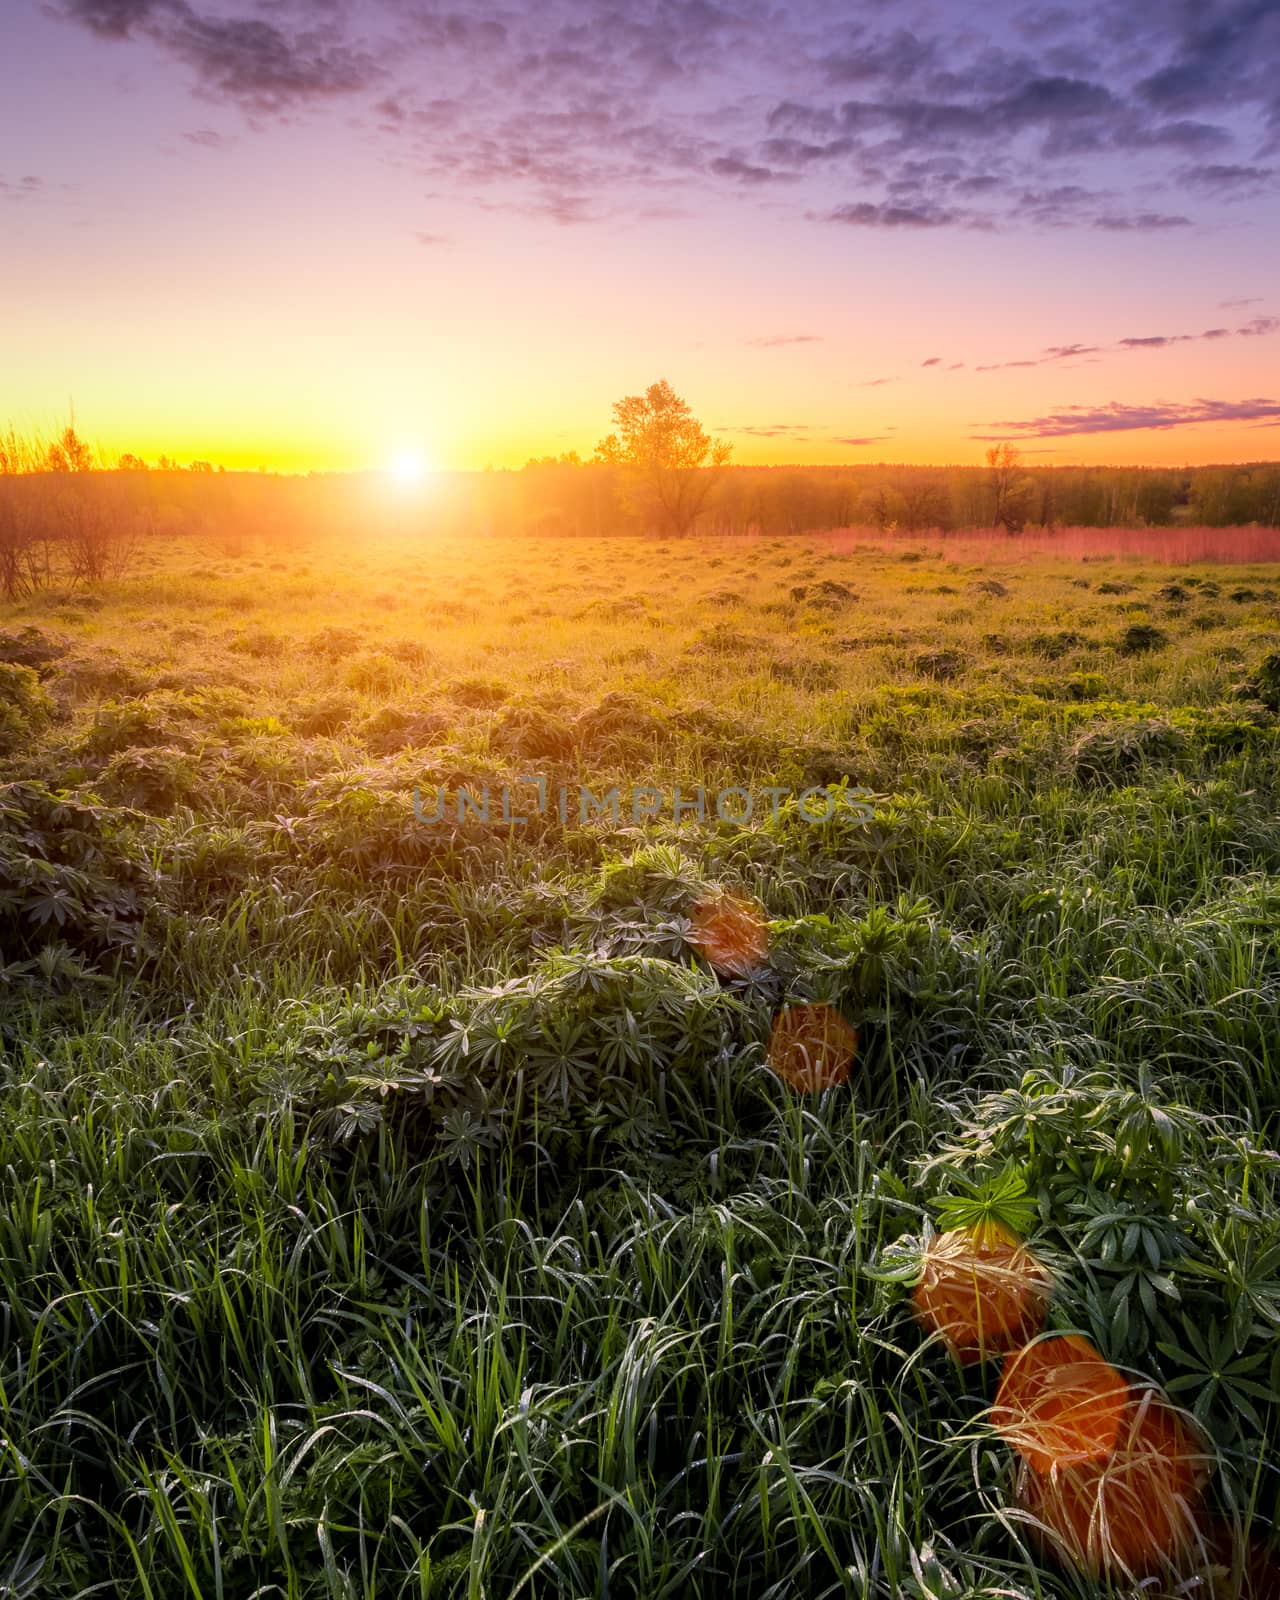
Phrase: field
(398,1207)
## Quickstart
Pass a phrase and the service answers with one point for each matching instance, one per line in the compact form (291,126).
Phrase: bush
(392,728)
(126,725)
(1117,754)
(28,647)
(375,673)
(324,715)
(941,664)
(68,875)
(24,705)
(1264,684)
(1141,637)
(155,778)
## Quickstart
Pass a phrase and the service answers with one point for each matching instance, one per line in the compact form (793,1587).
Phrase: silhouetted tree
(1011,490)
(70,453)
(666,452)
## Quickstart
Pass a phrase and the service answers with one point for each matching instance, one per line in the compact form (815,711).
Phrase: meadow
(409,1209)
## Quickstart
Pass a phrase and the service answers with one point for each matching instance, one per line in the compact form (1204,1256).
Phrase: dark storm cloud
(1117,418)
(948,120)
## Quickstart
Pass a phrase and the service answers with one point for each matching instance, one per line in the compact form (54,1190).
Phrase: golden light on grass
(1060,1403)
(1134,1513)
(812,1047)
(731,932)
(982,1291)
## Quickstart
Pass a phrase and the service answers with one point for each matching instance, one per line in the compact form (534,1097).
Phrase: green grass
(405,1211)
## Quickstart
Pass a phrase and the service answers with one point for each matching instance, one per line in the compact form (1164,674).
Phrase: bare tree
(25,527)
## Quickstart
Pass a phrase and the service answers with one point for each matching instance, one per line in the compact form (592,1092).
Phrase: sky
(321,234)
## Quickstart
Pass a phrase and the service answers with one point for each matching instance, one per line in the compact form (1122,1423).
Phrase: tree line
(661,471)
(68,515)
(584,497)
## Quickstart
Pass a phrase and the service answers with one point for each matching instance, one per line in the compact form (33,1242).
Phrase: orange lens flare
(982,1291)
(1060,1403)
(812,1047)
(731,932)
(1136,1512)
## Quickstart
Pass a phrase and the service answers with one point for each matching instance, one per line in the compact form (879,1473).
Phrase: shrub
(28,647)
(375,673)
(1117,754)
(477,693)
(1140,637)
(125,725)
(24,705)
(392,728)
(156,778)
(323,715)
(1264,684)
(260,643)
(941,664)
(68,875)
(333,643)
(527,731)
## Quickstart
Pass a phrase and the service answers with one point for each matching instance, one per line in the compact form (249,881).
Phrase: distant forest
(575,497)
(68,516)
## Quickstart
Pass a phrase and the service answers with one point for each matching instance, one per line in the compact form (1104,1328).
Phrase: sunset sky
(296,235)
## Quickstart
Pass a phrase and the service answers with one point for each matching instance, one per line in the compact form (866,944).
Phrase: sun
(408,466)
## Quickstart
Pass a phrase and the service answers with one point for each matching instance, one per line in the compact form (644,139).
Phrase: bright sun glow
(408,466)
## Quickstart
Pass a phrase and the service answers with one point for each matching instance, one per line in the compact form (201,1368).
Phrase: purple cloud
(954,121)
(1117,418)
